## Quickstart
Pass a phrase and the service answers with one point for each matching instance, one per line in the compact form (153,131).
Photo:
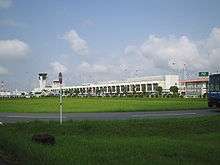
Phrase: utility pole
(2,89)
(184,72)
(61,99)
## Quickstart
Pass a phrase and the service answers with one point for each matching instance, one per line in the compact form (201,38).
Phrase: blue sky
(119,39)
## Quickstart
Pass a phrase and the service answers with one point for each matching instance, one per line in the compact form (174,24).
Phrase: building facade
(42,80)
(194,87)
(140,85)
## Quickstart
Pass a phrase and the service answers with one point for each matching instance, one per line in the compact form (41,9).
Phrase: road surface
(15,117)
(2,162)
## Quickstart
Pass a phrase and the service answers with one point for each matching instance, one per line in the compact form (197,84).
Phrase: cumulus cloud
(172,52)
(58,67)
(214,39)
(132,50)
(3,71)
(5,4)
(98,71)
(156,55)
(78,44)
(134,63)
(13,49)
(167,53)
(213,49)
(92,68)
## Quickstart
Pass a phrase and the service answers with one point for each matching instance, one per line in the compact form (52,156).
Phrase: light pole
(61,100)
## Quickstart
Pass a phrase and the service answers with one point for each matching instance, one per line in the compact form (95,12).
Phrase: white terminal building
(147,84)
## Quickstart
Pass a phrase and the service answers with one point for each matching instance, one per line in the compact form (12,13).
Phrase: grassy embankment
(100,104)
(158,141)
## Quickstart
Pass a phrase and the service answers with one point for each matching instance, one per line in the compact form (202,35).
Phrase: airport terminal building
(139,85)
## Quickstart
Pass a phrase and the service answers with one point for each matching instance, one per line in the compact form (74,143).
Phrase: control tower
(42,80)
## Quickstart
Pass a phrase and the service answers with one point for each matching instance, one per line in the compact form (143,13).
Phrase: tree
(76,91)
(159,89)
(67,92)
(174,90)
(98,92)
(71,92)
(118,90)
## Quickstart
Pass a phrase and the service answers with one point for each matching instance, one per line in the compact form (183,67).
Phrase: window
(109,89)
(143,87)
(123,88)
(133,88)
(155,85)
(127,88)
(149,87)
(113,88)
(118,89)
(137,87)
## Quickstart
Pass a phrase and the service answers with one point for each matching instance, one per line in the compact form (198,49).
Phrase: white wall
(42,83)
(171,80)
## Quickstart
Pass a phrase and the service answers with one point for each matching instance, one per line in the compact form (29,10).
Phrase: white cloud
(166,53)
(213,49)
(5,4)
(3,71)
(92,68)
(132,50)
(78,45)
(58,67)
(214,39)
(172,53)
(155,56)
(99,71)
(13,49)
(134,63)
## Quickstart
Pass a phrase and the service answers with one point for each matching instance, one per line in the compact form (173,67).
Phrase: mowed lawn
(51,104)
(146,141)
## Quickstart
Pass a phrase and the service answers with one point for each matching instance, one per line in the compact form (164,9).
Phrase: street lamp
(61,100)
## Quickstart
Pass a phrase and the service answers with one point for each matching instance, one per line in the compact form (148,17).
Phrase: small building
(194,87)
(5,93)
(56,84)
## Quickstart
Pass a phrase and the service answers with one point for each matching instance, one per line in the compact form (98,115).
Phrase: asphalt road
(15,117)
(2,162)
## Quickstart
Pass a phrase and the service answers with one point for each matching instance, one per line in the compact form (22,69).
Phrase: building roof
(42,74)
(204,79)
(133,80)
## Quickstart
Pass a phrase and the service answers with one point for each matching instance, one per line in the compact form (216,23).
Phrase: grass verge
(100,104)
(147,141)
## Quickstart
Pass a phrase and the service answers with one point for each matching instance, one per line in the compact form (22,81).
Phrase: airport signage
(203,74)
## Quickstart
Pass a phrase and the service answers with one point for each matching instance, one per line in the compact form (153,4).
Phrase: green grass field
(152,141)
(100,104)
